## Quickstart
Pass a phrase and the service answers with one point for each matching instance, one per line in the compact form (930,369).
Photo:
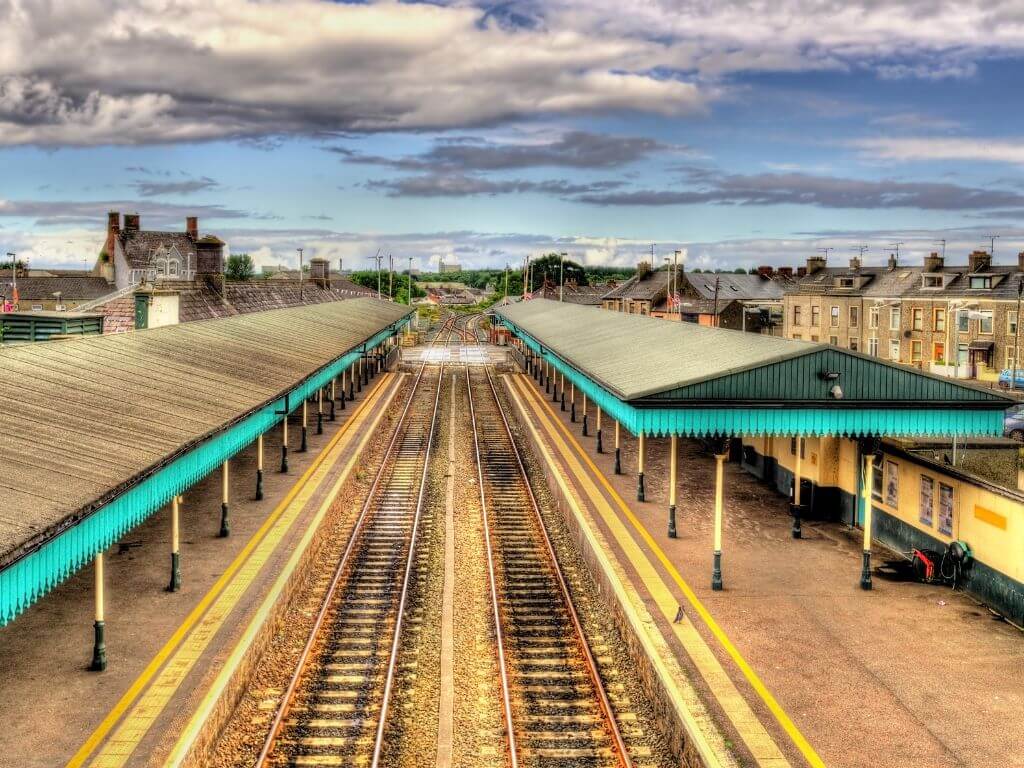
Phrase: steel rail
(288,699)
(618,745)
(393,660)
(506,695)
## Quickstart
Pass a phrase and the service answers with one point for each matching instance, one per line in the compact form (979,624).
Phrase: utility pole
(378,258)
(506,282)
(391,277)
(301,298)
(715,319)
(897,245)
(826,251)
(410,281)
(1016,335)
(943,243)
(675,282)
(561,274)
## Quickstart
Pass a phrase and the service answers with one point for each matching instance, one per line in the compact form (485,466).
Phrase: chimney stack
(210,262)
(192,227)
(319,272)
(788,271)
(854,264)
(113,230)
(800,271)
(892,262)
(933,263)
(765,272)
(131,222)
(815,264)
(979,261)
(1020,261)
(642,269)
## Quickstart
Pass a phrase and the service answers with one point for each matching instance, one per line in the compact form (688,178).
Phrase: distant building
(449,268)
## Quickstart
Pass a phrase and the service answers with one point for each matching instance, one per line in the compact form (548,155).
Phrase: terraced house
(957,320)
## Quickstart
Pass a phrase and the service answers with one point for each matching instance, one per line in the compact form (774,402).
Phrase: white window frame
(895,318)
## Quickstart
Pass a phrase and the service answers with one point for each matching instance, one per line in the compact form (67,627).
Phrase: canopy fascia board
(56,554)
(759,419)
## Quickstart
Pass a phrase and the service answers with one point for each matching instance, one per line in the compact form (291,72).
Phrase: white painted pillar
(225,489)
(716,571)
(865,572)
(672,480)
(99,647)
(640,493)
(175,583)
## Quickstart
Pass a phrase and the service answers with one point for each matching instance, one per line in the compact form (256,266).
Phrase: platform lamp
(561,274)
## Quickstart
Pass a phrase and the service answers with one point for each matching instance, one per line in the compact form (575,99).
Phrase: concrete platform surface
(905,675)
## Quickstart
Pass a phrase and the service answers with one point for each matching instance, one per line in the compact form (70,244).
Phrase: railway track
(555,706)
(335,708)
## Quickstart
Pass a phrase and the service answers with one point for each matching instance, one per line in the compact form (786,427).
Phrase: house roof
(142,246)
(80,288)
(647,287)
(734,286)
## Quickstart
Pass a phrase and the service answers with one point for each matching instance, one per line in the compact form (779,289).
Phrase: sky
(741,132)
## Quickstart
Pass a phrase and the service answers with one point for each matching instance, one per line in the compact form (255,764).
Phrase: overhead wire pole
(300,274)
(943,243)
(561,274)
(391,277)
(897,245)
(992,245)
(378,258)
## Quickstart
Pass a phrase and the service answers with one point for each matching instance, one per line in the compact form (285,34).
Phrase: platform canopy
(97,433)
(659,377)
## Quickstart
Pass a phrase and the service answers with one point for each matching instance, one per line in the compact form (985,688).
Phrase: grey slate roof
(81,288)
(140,246)
(130,401)
(634,356)
(734,286)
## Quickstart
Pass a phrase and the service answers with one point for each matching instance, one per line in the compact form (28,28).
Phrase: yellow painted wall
(990,521)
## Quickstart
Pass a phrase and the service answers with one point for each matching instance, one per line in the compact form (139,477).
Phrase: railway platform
(165,649)
(793,664)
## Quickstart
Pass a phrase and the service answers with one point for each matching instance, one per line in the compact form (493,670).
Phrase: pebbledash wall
(916,503)
(35,574)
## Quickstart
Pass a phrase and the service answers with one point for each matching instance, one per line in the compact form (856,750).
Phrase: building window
(981,281)
(915,351)
(834,312)
(894,350)
(931,281)
(946,509)
(833,340)
(877,481)
(873,346)
(798,336)
(985,321)
(853,343)
(815,316)
(873,317)
(926,505)
(846,282)
(963,320)
(1009,358)
(917,319)
(894,319)
(172,267)
(854,317)
(939,320)
(814,337)
(1011,323)
(796,315)
(892,484)
(803,448)
(939,352)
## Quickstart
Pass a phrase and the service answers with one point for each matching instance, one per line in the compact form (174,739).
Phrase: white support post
(175,583)
(304,445)
(99,647)
(618,450)
(640,493)
(672,479)
(865,572)
(600,446)
(225,530)
(716,571)
(259,468)
(796,510)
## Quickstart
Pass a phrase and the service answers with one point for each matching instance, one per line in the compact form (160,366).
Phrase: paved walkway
(905,675)
(163,648)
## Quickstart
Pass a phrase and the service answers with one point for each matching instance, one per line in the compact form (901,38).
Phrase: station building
(812,419)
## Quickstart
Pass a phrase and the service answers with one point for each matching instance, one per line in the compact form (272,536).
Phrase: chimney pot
(800,271)
(1020,261)
(319,272)
(192,226)
(854,264)
(979,261)
(893,262)
(765,272)
(132,222)
(933,263)
(815,264)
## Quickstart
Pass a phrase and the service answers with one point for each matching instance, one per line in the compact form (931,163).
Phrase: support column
(341,396)
(259,468)
(585,433)
(360,373)
(572,402)
(352,381)
(554,384)
(795,510)
(618,450)
(175,583)
(304,445)
(224,528)
(334,396)
(600,447)
(99,646)
(672,458)
(869,470)
(640,495)
(284,443)
(562,377)
(716,569)
(547,378)
(320,410)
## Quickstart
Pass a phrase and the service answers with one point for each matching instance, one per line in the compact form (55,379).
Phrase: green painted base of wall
(981,581)
(988,585)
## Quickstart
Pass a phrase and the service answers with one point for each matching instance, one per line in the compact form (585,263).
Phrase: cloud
(466,185)
(154,214)
(184,187)
(818,191)
(574,149)
(931,149)
(143,72)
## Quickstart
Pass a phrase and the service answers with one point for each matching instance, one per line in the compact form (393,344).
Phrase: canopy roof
(121,423)
(650,367)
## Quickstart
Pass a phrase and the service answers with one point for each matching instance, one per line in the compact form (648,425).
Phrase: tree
(551,265)
(240,267)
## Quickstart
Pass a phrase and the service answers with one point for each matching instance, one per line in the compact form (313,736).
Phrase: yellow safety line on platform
(192,730)
(752,677)
(133,692)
